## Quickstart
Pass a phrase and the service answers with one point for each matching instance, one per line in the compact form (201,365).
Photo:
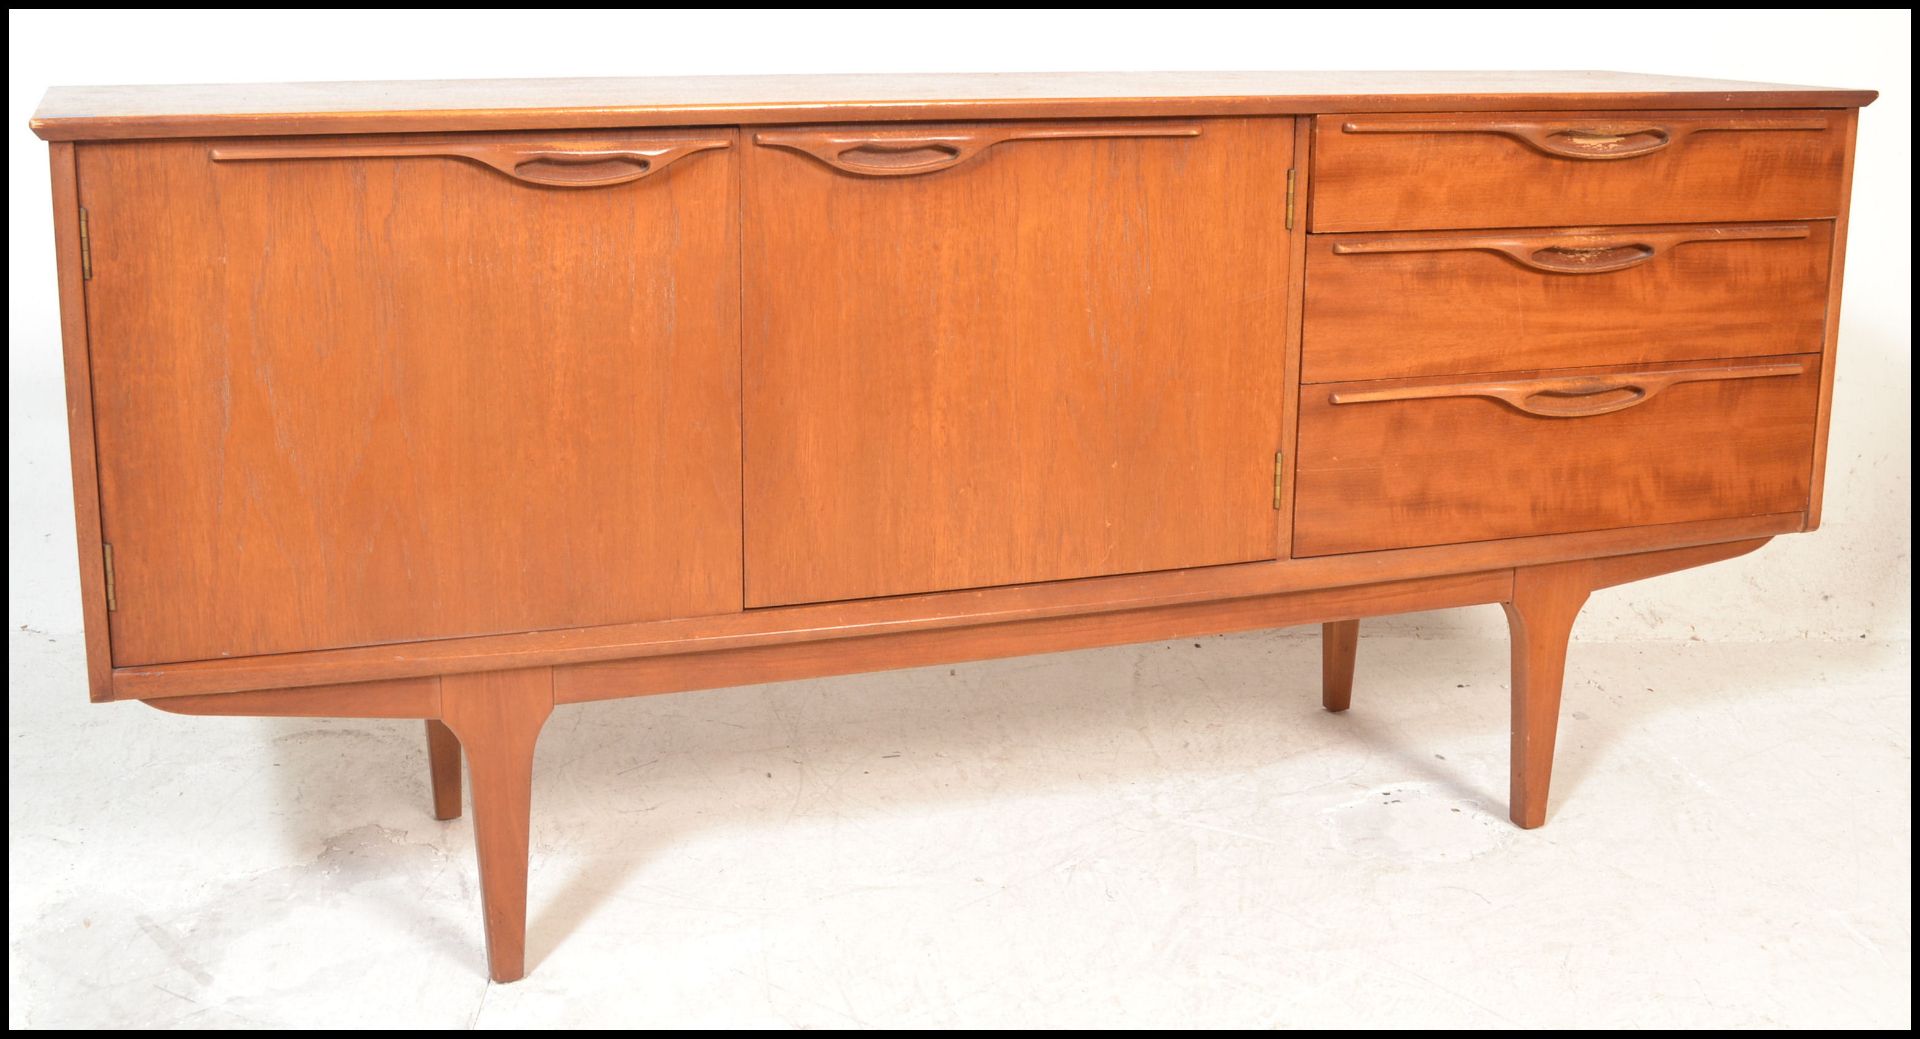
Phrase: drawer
(1412,462)
(1386,306)
(1414,172)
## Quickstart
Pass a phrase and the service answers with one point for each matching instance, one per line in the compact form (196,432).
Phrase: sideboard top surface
(81,113)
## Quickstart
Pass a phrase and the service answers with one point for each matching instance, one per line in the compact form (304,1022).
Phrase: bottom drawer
(1415,462)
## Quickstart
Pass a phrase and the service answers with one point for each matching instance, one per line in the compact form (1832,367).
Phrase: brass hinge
(1279,475)
(106,550)
(86,249)
(1289,201)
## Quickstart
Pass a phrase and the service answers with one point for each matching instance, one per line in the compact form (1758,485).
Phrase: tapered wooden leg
(1339,643)
(443,766)
(497,717)
(1540,618)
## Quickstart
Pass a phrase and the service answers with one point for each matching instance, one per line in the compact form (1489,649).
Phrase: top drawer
(1533,169)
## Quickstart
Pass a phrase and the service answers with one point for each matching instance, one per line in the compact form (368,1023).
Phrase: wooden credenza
(461,400)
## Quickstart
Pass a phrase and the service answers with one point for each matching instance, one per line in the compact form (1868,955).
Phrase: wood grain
(1608,571)
(443,769)
(1831,345)
(1573,396)
(1573,251)
(1001,381)
(1291,363)
(1540,616)
(1597,137)
(201,110)
(859,618)
(1339,646)
(83,461)
(1377,314)
(1546,599)
(912,649)
(531,404)
(426,400)
(1399,474)
(555,164)
(1712,172)
(385,698)
(913,151)
(497,717)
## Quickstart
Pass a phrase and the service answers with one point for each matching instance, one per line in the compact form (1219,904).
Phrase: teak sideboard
(462,400)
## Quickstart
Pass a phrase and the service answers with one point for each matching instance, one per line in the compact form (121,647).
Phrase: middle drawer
(1399,305)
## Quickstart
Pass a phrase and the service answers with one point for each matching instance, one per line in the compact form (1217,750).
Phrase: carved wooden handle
(1598,142)
(554,165)
(1575,396)
(1573,251)
(905,153)
(1585,139)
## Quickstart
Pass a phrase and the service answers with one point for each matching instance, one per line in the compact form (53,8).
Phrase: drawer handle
(906,153)
(1583,140)
(1592,259)
(1598,143)
(553,166)
(1576,396)
(1573,251)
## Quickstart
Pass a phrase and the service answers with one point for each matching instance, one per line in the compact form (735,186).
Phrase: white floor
(1162,835)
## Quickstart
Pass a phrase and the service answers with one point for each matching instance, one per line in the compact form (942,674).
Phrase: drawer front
(998,353)
(1388,306)
(1519,169)
(364,390)
(1408,463)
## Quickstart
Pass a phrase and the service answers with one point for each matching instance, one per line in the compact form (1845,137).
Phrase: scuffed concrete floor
(1161,835)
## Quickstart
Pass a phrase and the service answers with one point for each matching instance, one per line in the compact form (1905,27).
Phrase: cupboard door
(364,390)
(989,354)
